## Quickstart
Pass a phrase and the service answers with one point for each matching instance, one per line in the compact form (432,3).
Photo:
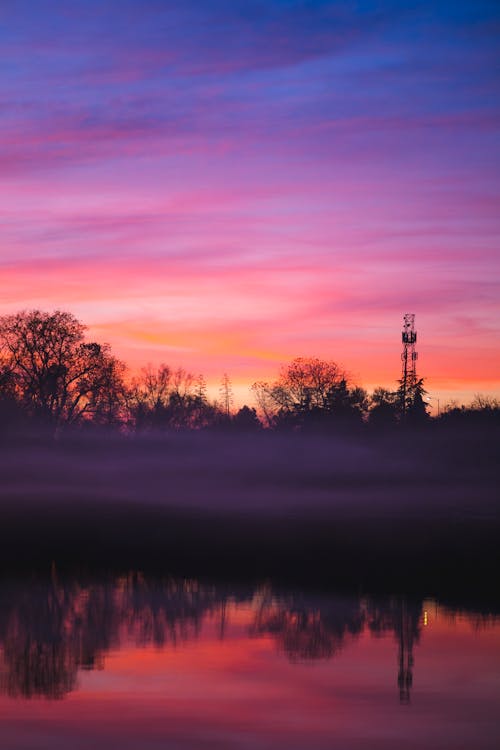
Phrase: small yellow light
(425,617)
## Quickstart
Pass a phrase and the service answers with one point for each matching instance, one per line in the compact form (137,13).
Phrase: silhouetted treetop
(164,398)
(384,407)
(310,392)
(54,373)
(410,399)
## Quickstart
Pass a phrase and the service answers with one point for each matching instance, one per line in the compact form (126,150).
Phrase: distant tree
(107,398)
(308,383)
(204,413)
(166,399)
(149,397)
(201,389)
(183,409)
(485,403)
(310,393)
(226,394)
(12,415)
(483,411)
(384,407)
(411,405)
(416,410)
(265,403)
(246,420)
(53,373)
(348,405)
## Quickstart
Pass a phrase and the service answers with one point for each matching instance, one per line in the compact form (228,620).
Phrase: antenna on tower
(409,359)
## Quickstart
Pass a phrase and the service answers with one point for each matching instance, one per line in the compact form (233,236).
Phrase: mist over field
(394,510)
(268,474)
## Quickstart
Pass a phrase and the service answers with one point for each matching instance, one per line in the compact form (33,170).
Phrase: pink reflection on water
(232,679)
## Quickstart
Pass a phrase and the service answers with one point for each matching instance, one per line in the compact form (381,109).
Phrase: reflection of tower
(403,619)
(409,359)
(405,629)
(223,618)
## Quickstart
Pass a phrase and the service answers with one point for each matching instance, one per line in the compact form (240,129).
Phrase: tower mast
(408,359)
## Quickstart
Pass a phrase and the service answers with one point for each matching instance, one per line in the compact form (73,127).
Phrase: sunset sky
(228,184)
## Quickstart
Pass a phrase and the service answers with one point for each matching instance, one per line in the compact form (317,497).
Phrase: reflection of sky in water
(180,665)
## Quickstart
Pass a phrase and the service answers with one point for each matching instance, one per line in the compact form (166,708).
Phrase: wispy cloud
(240,182)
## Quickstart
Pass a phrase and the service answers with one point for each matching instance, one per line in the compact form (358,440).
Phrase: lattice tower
(408,358)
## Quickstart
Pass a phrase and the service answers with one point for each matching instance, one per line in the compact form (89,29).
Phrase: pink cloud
(248,319)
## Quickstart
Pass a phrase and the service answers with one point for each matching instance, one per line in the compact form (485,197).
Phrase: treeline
(50,375)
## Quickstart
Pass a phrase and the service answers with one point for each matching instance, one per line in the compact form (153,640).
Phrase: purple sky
(225,185)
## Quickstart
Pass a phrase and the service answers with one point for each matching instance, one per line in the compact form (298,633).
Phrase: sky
(227,185)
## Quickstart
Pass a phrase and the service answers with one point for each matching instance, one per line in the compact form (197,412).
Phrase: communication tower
(408,358)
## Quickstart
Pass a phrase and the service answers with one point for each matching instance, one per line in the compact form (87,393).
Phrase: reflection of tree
(301,634)
(307,632)
(162,612)
(50,630)
(39,656)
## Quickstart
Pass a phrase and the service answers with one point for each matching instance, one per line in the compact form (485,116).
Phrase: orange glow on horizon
(249,321)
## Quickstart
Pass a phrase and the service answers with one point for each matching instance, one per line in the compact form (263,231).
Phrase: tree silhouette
(413,408)
(226,394)
(482,412)
(51,629)
(149,397)
(310,393)
(246,420)
(384,407)
(54,373)
(166,399)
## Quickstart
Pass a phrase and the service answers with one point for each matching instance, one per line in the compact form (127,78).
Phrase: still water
(134,663)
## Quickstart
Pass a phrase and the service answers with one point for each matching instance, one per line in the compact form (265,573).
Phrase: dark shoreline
(454,562)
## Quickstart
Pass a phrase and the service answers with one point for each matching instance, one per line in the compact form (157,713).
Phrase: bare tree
(54,372)
(265,402)
(308,389)
(169,399)
(226,393)
(484,402)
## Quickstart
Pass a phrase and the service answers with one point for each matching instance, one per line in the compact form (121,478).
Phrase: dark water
(138,663)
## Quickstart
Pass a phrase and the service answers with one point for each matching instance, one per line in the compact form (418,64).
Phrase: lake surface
(137,663)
